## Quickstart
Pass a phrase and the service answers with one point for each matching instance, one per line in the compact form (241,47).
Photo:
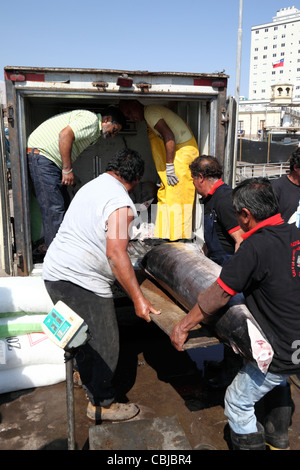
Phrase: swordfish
(184,271)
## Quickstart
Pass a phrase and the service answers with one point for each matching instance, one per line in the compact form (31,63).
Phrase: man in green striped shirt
(52,149)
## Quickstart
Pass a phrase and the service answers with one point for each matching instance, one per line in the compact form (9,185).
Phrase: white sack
(20,324)
(24,294)
(29,349)
(32,376)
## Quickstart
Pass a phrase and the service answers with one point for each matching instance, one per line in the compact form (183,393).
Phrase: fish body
(184,272)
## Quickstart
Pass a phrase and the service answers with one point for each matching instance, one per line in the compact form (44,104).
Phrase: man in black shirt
(222,236)
(266,268)
(287,188)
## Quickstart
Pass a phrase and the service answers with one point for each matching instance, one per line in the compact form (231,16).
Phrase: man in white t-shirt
(53,147)
(88,253)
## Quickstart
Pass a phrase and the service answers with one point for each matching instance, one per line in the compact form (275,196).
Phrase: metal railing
(267,170)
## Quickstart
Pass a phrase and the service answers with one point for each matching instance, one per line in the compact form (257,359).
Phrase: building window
(265,48)
(283,45)
(283,35)
(256,32)
(275,55)
(256,49)
(264,56)
(263,91)
(255,58)
(275,28)
(274,46)
(275,37)
(282,54)
(273,72)
(266,30)
(281,71)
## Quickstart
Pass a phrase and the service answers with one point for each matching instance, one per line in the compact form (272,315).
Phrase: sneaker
(114,412)
(76,379)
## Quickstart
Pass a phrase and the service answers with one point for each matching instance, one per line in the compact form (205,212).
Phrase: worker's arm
(168,138)
(169,141)
(208,303)
(237,236)
(119,261)
(65,142)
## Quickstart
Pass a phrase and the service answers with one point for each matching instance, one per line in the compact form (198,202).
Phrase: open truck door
(6,236)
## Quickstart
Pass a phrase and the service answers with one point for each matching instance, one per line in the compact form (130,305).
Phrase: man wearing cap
(52,149)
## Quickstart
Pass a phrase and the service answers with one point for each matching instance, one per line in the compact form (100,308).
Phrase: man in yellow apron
(173,148)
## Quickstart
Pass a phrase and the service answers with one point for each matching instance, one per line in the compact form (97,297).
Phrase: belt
(33,151)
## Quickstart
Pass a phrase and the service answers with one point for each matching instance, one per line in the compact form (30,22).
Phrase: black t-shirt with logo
(266,268)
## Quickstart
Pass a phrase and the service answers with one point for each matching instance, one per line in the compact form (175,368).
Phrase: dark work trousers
(97,359)
(216,252)
(52,196)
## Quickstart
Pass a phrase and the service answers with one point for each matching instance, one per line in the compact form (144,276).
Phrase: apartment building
(275,55)
(274,76)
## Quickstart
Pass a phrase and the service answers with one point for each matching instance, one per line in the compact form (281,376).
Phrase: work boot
(251,441)
(278,412)
(114,412)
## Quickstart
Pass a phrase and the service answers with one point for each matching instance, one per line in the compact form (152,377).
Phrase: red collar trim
(215,187)
(274,220)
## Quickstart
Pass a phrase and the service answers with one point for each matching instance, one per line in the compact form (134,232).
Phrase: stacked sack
(28,358)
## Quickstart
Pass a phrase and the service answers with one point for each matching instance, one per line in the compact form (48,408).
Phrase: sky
(197,36)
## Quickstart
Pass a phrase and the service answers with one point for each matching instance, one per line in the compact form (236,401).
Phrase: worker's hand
(143,308)
(178,337)
(67,180)
(172,179)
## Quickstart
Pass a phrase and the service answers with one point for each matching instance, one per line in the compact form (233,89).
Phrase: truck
(34,94)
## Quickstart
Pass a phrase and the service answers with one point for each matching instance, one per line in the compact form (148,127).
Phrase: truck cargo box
(35,94)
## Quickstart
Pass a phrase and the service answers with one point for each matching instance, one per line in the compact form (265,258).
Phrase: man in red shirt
(266,268)
(222,233)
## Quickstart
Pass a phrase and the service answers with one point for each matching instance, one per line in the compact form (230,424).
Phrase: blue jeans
(248,387)
(97,359)
(53,198)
